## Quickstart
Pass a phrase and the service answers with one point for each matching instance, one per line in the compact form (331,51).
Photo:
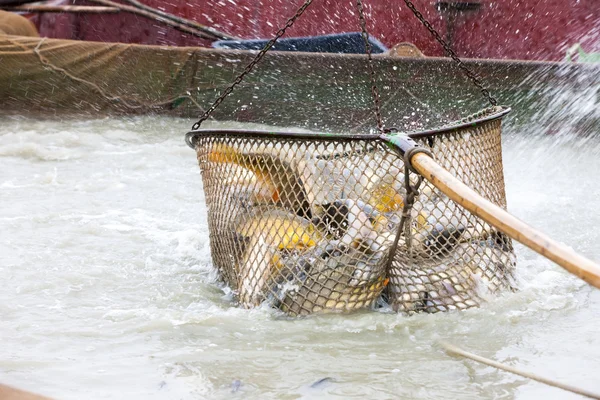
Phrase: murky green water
(107,289)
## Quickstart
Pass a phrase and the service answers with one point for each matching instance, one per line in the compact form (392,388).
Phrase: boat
(303,89)
(487,29)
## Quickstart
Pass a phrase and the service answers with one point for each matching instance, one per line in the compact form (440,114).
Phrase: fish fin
(275,195)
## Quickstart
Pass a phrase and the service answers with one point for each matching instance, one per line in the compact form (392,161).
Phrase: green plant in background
(582,56)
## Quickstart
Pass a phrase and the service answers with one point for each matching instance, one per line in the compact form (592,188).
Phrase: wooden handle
(564,256)
(453,350)
(10,393)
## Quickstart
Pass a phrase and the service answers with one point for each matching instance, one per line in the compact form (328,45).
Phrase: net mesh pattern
(308,225)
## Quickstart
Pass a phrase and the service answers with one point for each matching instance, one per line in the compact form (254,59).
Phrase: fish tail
(258,265)
(226,154)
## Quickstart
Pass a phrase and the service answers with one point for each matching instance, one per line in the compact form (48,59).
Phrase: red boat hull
(501,29)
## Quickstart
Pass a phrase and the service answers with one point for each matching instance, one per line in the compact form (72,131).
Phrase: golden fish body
(280,229)
(258,263)
(435,225)
(269,233)
(386,195)
(273,173)
(387,192)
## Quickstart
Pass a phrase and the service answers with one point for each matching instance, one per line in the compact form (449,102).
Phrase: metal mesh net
(308,223)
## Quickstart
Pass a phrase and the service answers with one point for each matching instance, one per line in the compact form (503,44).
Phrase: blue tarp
(350,42)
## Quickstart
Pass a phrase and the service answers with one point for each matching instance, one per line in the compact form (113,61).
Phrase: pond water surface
(107,289)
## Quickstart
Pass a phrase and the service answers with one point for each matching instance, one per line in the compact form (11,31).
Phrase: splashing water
(108,290)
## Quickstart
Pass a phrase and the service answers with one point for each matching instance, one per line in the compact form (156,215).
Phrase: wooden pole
(453,350)
(186,22)
(10,393)
(564,256)
(147,14)
(60,9)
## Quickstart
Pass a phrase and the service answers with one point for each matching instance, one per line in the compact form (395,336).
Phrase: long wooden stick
(453,350)
(186,22)
(11,393)
(564,256)
(156,17)
(61,9)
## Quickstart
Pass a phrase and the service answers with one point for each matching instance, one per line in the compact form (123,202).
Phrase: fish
(492,260)
(390,222)
(387,193)
(435,227)
(384,196)
(306,184)
(436,241)
(459,281)
(269,233)
(280,228)
(326,181)
(278,177)
(259,262)
(348,221)
(332,279)
(322,382)
(361,226)
(251,192)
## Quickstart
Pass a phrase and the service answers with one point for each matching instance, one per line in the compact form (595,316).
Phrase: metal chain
(374,90)
(411,195)
(412,192)
(250,66)
(473,76)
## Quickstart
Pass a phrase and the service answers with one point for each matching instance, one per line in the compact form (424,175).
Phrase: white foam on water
(109,292)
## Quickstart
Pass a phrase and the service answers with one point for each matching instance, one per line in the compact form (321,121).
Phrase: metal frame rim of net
(483,116)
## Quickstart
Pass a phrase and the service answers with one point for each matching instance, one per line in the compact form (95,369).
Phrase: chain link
(250,66)
(470,74)
(374,90)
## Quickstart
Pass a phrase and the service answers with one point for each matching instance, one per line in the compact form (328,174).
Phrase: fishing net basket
(313,222)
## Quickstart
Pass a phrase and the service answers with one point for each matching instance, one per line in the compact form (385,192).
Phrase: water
(108,292)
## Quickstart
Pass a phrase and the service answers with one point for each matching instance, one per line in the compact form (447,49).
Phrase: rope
(128,102)
(456,351)
(192,24)
(411,195)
